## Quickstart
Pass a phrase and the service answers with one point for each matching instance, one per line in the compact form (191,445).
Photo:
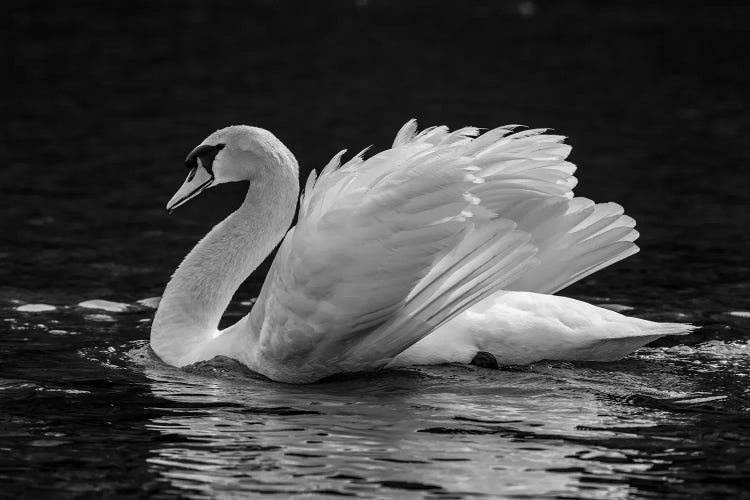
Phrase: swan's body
(426,253)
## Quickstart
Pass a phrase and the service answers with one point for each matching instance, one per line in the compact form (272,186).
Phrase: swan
(442,249)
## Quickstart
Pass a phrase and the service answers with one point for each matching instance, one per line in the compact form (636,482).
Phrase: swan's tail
(519,328)
(662,329)
(617,347)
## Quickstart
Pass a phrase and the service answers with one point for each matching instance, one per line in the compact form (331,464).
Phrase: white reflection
(399,434)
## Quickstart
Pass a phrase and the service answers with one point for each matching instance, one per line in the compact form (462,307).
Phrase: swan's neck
(203,285)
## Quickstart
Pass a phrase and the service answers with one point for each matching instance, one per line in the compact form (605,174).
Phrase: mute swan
(444,246)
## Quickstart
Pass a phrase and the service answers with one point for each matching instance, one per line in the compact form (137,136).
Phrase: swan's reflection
(444,429)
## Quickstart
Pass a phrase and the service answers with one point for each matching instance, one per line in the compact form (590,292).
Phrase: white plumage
(428,252)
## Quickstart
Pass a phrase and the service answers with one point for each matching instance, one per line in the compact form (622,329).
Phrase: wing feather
(391,247)
(355,255)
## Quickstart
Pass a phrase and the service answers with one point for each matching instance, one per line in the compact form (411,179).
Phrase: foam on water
(35,308)
(150,302)
(105,305)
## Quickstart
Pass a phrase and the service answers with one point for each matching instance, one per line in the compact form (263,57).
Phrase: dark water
(100,108)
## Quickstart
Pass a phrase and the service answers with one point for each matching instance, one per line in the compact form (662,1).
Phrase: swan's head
(236,153)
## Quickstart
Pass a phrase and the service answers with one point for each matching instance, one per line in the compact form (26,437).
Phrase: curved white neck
(203,285)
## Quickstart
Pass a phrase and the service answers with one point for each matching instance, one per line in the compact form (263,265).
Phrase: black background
(103,102)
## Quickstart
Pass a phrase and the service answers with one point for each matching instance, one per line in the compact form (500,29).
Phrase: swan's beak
(197,181)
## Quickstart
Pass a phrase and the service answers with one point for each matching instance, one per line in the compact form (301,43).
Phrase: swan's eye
(206,154)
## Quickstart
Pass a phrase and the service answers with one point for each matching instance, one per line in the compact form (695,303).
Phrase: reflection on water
(412,430)
(547,430)
(666,421)
(98,412)
(102,106)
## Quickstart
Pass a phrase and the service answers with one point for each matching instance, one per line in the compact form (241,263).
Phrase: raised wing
(389,248)
(529,181)
(367,233)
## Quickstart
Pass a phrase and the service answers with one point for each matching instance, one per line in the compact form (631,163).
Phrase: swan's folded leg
(522,327)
